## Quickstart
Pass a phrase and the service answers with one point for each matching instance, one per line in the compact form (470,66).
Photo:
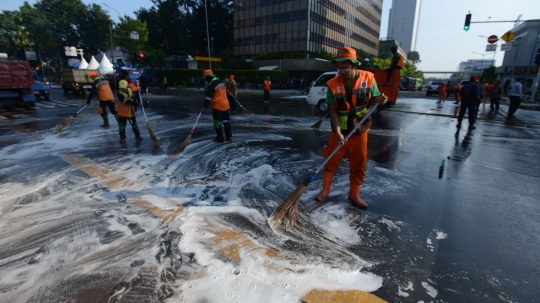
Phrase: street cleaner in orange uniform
(217,94)
(102,89)
(127,107)
(349,96)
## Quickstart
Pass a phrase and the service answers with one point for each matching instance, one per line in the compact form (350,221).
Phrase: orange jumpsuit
(487,90)
(442,92)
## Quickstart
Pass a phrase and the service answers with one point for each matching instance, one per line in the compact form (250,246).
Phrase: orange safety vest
(400,61)
(126,110)
(220,101)
(230,86)
(360,95)
(104,91)
(133,88)
(267,84)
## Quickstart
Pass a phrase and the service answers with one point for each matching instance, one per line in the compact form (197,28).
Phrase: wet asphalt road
(450,219)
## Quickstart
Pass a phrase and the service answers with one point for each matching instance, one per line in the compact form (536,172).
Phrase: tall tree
(124,28)
(414,57)
(8,32)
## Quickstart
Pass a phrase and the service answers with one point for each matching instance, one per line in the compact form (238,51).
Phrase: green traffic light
(466,28)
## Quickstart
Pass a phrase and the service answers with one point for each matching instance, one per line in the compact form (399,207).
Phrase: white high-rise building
(403,23)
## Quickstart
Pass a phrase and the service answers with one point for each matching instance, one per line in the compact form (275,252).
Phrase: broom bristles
(60,126)
(247,111)
(182,146)
(154,138)
(318,124)
(287,211)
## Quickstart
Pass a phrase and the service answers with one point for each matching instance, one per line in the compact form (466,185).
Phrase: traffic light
(142,55)
(537,57)
(467,22)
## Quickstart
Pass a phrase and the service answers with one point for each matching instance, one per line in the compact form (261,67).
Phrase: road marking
(227,242)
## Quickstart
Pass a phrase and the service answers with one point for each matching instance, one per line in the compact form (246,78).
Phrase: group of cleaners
(349,96)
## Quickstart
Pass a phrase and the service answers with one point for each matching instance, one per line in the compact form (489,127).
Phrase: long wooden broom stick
(188,139)
(287,211)
(247,111)
(65,123)
(318,124)
(154,138)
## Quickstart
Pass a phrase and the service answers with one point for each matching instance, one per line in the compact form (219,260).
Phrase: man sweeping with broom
(217,94)
(349,96)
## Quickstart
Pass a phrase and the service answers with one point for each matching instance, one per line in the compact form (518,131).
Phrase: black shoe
(104,125)
(122,140)
(229,139)
(139,138)
(472,127)
(218,140)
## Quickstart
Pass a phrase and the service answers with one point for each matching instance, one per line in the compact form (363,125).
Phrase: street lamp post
(482,58)
(207,34)
(212,45)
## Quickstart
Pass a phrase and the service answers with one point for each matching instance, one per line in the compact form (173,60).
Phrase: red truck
(16,82)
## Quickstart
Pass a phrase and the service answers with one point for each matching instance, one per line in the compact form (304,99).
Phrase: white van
(317,93)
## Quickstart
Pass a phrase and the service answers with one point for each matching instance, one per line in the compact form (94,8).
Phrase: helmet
(208,72)
(123,84)
(93,74)
(474,78)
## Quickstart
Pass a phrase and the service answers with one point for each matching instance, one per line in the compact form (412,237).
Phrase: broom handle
(371,110)
(193,129)
(228,92)
(80,110)
(140,101)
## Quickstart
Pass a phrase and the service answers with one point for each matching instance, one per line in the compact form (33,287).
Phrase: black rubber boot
(228,132)
(219,137)
(105,121)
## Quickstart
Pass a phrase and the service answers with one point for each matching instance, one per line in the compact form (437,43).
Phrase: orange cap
(344,54)
(93,74)
(208,72)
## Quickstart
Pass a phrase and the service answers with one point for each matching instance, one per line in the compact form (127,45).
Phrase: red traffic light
(141,55)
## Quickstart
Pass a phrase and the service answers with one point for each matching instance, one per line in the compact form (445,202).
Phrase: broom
(287,211)
(318,124)
(247,111)
(60,126)
(154,138)
(186,142)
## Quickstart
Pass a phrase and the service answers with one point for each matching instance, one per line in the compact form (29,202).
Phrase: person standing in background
(397,64)
(495,95)
(442,92)
(102,89)
(266,88)
(231,93)
(516,94)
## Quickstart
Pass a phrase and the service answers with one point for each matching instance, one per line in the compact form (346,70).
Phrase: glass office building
(269,26)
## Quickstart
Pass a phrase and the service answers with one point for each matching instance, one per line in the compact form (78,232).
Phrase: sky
(442,43)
